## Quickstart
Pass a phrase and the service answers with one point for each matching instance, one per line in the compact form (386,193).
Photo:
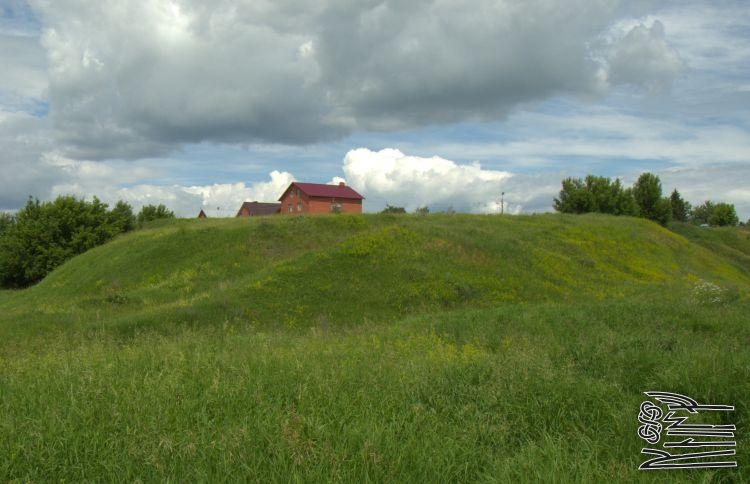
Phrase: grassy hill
(443,347)
(730,242)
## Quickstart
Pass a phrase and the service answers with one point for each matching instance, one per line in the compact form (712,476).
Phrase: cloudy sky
(445,103)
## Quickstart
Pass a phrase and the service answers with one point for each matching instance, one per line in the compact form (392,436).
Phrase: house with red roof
(254,209)
(320,198)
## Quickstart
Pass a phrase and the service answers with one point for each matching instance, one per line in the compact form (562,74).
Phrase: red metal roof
(327,191)
(259,208)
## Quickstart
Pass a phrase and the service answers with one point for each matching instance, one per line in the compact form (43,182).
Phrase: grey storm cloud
(644,57)
(137,79)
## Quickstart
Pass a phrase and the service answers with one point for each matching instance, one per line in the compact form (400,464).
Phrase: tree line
(43,235)
(643,199)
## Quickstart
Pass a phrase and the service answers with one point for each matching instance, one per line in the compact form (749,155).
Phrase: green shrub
(393,209)
(723,214)
(150,213)
(43,235)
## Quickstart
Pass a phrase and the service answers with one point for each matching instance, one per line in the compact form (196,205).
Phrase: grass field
(382,348)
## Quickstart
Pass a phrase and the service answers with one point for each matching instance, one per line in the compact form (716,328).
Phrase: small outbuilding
(320,198)
(254,209)
(214,213)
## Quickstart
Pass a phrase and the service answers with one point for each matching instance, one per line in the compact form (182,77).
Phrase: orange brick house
(320,198)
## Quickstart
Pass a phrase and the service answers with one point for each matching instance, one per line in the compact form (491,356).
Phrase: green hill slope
(370,348)
(290,272)
(731,242)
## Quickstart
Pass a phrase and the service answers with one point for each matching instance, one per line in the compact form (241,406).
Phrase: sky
(438,103)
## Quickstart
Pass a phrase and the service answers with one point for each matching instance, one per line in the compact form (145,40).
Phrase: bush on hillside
(121,217)
(393,209)
(700,214)
(723,214)
(150,213)
(43,235)
(716,214)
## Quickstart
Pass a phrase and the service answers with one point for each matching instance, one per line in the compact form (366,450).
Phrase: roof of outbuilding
(260,208)
(323,190)
(216,213)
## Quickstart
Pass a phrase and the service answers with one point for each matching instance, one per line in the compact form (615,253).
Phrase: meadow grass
(371,348)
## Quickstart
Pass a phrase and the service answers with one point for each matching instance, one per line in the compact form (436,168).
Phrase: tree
(595,194)
(422,210)
(662,212)
(150,213)
(574,197)
(680,208)
(6,221)
(700,214)
(723,214)
(44,235)
(610,197)
(647,193)
(601,190)
(393,209)
(626,203)
(121,217)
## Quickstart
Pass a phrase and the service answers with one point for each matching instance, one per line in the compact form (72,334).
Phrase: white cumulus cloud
(87,179)
(390,177)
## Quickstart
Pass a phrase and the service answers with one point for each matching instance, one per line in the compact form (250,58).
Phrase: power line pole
(502,203)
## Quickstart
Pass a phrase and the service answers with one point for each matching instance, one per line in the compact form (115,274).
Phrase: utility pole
(502,203)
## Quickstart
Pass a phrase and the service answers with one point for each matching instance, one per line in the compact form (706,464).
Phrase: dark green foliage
(699,215)
(150,213)
(46,234)
(393,209)
(121,217)
(662,212)
(716,214)
(723,214)
(422,210)
(610,197)
(627,205)
(6,221)
(647,194)
(680,208)
(574,197)
(595,194)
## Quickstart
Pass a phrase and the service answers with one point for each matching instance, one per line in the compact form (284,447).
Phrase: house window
(290,208)
(336,207)
(299,206)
